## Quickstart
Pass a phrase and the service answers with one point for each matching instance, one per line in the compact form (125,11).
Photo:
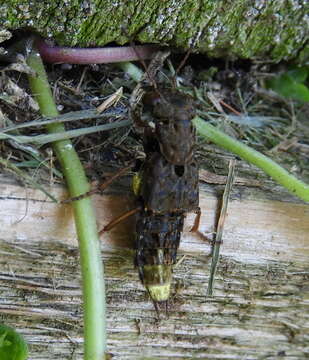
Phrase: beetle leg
(196,224)
(101,187)
(119,219)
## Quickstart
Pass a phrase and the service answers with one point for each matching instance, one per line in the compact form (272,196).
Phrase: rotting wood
(259,305)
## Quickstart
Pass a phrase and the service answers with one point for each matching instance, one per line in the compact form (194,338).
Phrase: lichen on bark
(266,30)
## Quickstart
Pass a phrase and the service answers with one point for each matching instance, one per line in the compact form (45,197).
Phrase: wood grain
(260,305)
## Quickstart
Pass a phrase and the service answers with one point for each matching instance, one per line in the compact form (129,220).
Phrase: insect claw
(161,306)
(196,220)
(119,219)
(155,304)
(166,307)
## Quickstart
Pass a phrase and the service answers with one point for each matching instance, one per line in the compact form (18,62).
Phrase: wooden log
(259,304)
(272,30)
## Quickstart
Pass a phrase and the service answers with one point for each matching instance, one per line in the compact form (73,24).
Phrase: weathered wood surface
(266,30)
(260,307)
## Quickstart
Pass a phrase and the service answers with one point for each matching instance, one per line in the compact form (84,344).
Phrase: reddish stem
(69,55)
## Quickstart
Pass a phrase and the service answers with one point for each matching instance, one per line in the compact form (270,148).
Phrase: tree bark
(271,30)
(259,305)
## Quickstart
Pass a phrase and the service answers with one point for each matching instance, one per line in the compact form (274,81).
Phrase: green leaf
(299,92)
(299,74)
(12,345)
(290,84)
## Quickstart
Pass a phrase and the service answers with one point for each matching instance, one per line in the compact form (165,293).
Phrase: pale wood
(260,307)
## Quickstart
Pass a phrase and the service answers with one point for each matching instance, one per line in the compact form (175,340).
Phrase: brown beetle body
(168,188)
(157,241)
(173,112)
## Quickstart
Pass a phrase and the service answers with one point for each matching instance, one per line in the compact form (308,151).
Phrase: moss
(272,30)
(62,23)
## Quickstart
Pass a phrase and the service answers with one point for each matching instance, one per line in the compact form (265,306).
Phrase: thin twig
(23,175)
(220,226)
(70,116)
(70,134)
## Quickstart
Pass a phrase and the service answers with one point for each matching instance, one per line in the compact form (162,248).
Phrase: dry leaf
(112,100)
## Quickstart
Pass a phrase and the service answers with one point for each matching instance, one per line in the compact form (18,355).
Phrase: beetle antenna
(185,58)
(183,61)
(134,47)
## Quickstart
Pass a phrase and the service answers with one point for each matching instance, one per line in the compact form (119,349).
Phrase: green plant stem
(12,344)
(135,72)
(278,173)
(85,221)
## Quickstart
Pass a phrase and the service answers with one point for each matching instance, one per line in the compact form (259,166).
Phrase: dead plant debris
(231,96)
